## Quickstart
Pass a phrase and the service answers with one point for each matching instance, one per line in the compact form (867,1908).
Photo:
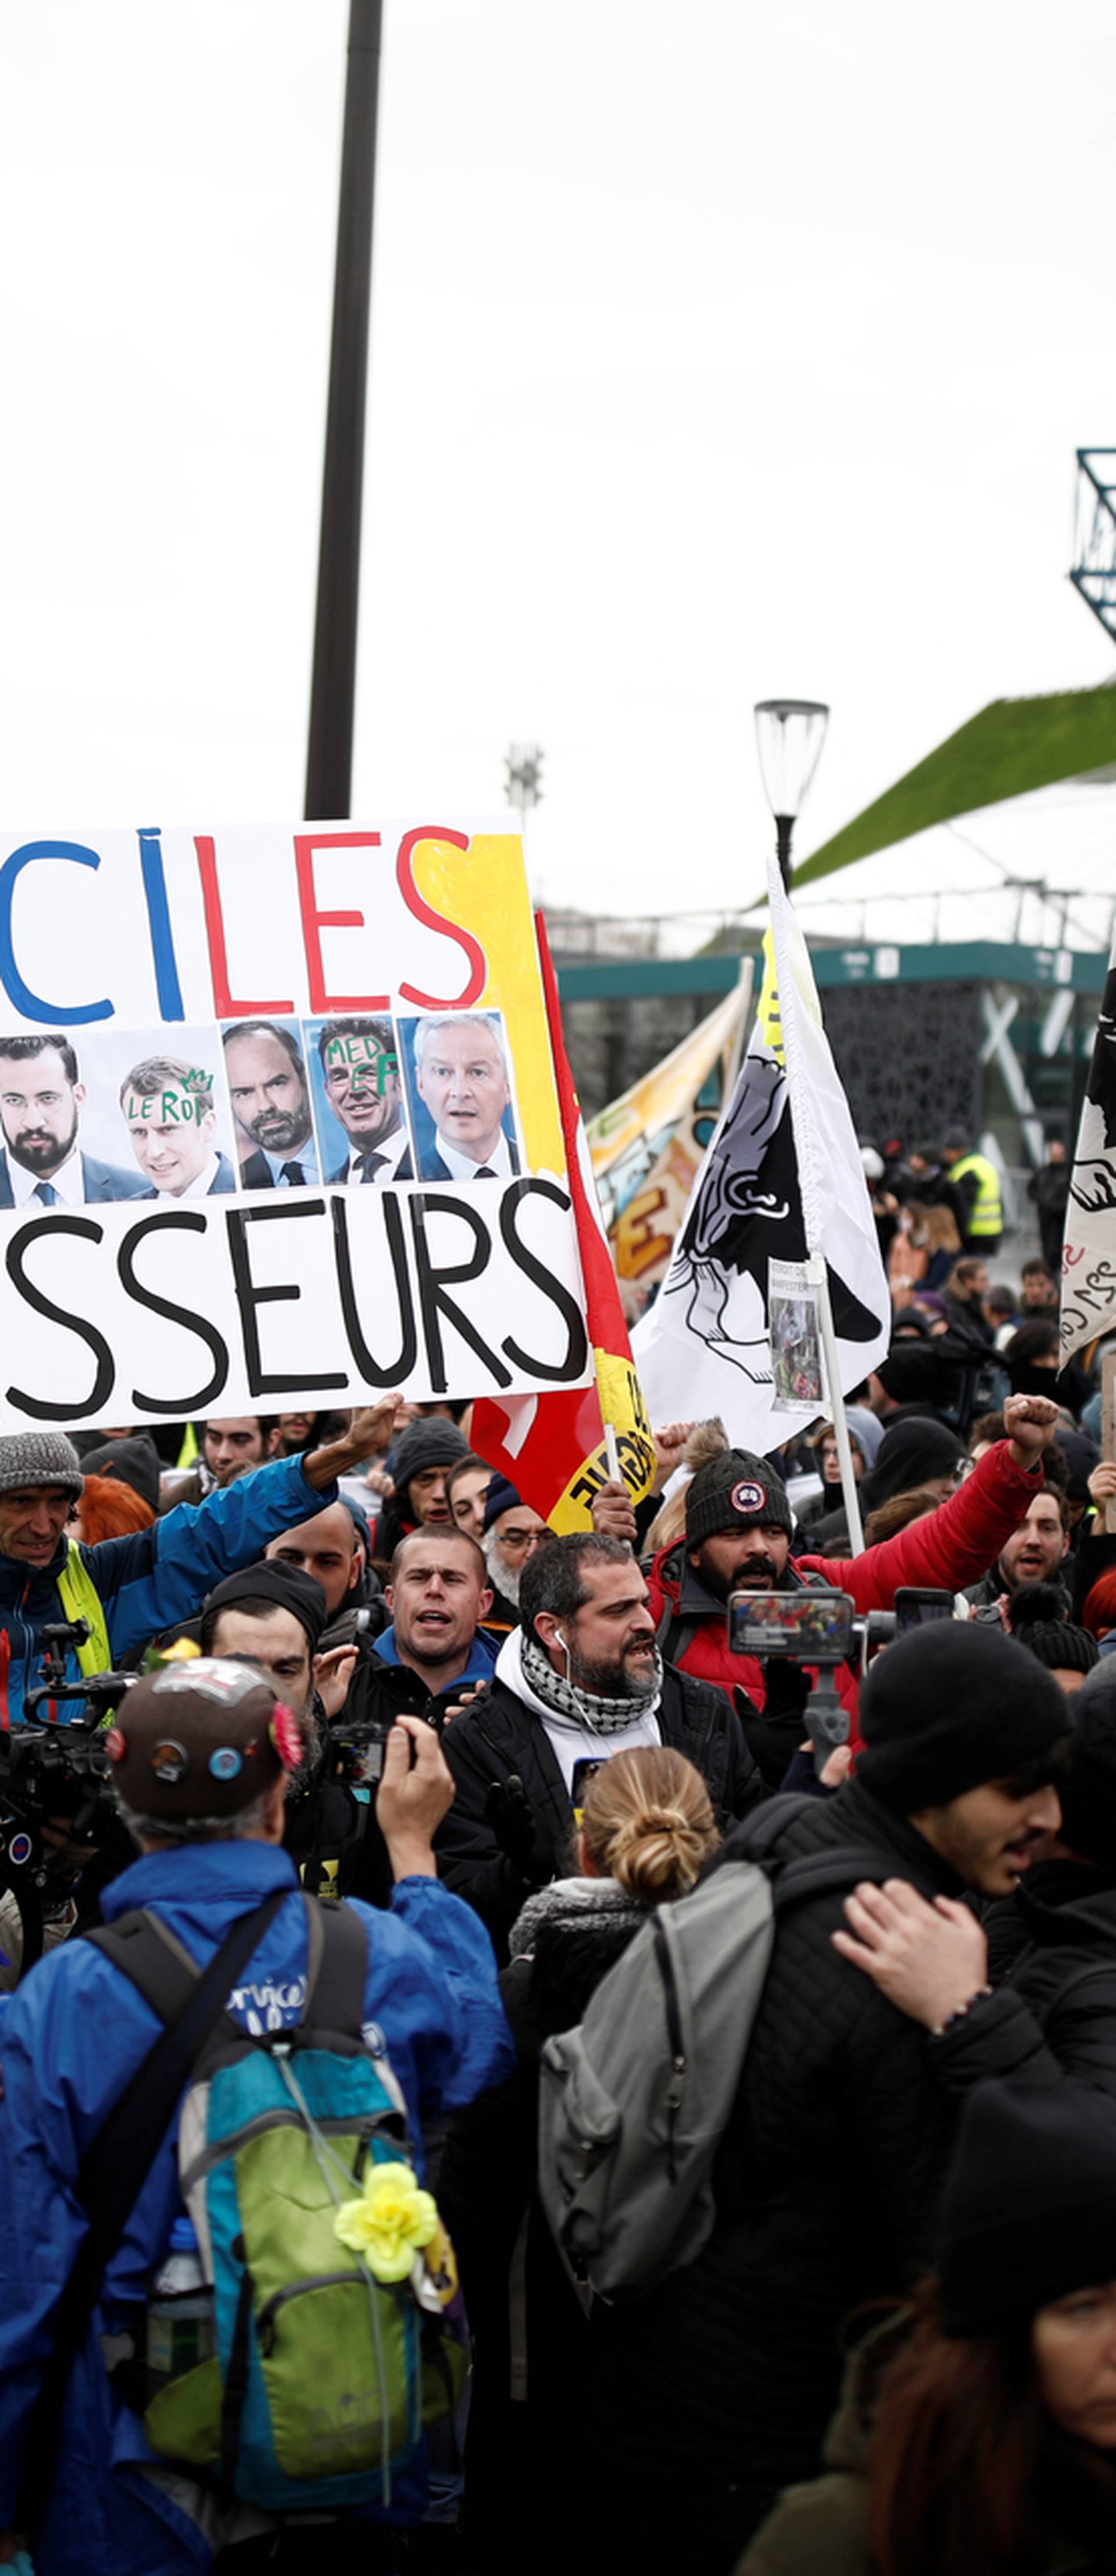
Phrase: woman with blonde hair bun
(647,1824)
(645,1830)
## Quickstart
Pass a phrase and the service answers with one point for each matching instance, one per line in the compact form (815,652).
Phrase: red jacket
(945,1549)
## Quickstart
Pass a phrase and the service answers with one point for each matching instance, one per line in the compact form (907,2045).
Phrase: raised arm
(956,1544)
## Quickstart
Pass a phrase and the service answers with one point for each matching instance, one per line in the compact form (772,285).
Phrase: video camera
(813,1626)
(52,1769)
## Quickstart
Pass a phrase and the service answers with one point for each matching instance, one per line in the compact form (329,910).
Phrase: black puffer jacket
(720,2383)
(500,1737)
(567,1939)
(1068,1975)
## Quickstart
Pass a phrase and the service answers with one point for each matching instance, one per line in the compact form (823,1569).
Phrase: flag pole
(837,1408)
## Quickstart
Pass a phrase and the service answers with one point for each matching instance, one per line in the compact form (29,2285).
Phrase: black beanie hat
(951,1705)
(286,1585)
(1088,1792)
(1029,2207)
(1035,1618)
(433,1441)
(133,1462)
(735,1490)
(910,1453)
(501,1497)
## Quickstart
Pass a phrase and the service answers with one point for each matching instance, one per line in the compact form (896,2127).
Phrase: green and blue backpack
(324,2374)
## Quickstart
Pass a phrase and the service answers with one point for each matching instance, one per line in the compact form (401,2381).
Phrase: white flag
(782,1181)
(1089,1246)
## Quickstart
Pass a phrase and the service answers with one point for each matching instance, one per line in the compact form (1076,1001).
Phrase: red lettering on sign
(224,1004)
(417,904)
(314,922)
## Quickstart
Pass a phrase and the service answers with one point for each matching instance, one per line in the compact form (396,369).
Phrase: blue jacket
(480,1667)
(155,1576)
(70,2039)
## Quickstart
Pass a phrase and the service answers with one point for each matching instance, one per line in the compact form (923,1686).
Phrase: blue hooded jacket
(70,2039)
(153,1577)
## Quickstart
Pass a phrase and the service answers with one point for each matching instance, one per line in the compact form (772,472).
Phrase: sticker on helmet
(225,1762)
(170,1761)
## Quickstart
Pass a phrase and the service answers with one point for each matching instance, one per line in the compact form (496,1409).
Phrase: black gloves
(509,1813)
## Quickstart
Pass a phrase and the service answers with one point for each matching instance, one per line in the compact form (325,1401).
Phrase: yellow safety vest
(988,1210)
(81,1600)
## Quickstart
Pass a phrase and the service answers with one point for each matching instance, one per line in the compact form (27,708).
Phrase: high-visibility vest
(988,1211)
(81,1600)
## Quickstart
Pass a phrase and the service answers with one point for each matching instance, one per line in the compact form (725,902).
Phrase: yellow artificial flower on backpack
(390,2223)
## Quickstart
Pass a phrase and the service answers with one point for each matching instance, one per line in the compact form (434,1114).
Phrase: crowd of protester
(504,1753)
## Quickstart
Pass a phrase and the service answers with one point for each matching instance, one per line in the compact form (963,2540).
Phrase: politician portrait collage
(275,1103)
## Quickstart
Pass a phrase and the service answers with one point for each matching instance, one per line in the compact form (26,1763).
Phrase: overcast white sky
(718,350)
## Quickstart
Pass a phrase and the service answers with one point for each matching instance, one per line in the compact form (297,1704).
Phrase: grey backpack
(633,2103)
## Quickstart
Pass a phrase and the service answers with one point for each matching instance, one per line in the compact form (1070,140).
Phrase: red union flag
(552,1446)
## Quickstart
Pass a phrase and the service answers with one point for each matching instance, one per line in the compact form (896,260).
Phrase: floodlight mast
(1094,571)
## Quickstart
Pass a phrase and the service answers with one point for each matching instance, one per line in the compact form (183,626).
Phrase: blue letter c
(18,992)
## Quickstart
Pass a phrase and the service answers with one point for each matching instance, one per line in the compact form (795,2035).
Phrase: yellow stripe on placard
(484,890)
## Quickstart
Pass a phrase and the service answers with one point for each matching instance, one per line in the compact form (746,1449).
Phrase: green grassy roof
(1012,746)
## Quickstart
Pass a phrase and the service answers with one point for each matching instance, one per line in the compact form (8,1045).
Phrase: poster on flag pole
(279,1124)
(1089,1242)
(797,1363)
(781,1181)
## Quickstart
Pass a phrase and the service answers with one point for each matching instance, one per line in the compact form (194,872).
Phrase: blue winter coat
(70,2039)
(155,1576)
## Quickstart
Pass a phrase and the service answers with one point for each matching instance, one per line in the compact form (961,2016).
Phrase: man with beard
(271,1105)
(1034,1553)
(40,1100)
(580,1679)
(714,2389)
(272,1615)
(737,1537)
(511,1534)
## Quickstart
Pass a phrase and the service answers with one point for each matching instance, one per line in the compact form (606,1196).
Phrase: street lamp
(524,777)
(789,737)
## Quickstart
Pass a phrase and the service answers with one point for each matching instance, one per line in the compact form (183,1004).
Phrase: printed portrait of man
(271,1105)
(362,1086)
(169,1113)
(461,1076)
(41,1100)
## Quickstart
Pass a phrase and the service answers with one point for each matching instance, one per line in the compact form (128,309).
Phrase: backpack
(324,2377)
(633,2103)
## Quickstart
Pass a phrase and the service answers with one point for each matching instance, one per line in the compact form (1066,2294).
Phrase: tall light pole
(789,737)
(329,761)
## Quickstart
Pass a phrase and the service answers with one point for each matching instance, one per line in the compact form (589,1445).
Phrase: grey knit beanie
(736,1490)
(433,1441)
(39,1458)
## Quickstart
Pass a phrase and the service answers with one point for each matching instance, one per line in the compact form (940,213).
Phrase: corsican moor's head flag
(782,1181)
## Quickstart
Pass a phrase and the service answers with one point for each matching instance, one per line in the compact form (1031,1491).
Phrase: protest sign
(278,1125)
